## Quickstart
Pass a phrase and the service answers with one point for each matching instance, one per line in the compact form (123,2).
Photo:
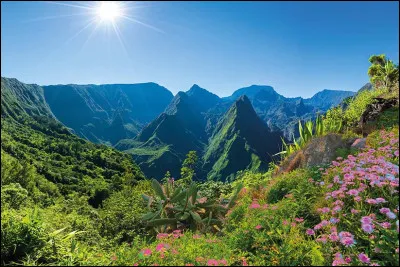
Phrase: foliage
(180,207)
(383,72)
(188,169)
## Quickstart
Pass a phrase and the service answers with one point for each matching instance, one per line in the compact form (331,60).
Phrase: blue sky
(299,48)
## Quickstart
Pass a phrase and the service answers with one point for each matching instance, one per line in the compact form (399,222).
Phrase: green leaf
(148,216)
(164,221)
(195,216)
(179,197)
(158,189)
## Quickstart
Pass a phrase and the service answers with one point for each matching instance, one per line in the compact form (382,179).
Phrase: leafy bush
(20,235)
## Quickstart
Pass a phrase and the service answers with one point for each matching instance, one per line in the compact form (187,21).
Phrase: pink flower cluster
(369,177)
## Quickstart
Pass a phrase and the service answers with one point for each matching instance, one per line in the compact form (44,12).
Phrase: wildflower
(363,258)
(285,222)
(162,247)
(293,224)
(310,232)
(196,236)
(347,241)
(161,235)
(368,228)
(299,219)
(357,199)
(353,192)
(244,262)
(391,215)
(380,200)
(347,259)
(255,205)
(258,227)
(189,264)
(385,225)
(354,211)
(146,252)
(334,237)
(371,201)
(366,220)
(212,262)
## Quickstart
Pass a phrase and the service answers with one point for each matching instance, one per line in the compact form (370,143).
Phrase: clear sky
(299,48)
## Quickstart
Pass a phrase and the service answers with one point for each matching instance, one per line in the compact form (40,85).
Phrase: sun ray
(81,30)
(64,4)
(53,17)
(90,35)
(142,23)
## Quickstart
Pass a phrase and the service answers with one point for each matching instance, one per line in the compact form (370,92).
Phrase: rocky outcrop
(320,150)
(377,107)
(359,143)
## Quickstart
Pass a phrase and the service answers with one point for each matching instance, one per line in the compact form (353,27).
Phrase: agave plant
(180,207)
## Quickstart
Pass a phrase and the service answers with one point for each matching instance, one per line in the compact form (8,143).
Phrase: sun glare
(109,11)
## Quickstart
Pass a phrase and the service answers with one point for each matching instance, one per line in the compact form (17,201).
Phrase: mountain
(19,99)
(44,148)
(326,99)
(163,144)
(284,113)
(241,140)
(205,99)
(107,113)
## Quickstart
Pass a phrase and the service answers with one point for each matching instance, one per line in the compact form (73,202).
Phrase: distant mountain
(241,140)
(328,98)
(203,98)
(107,113)
(19,99)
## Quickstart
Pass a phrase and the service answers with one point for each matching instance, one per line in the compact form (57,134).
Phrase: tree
(188,168)
(383,72)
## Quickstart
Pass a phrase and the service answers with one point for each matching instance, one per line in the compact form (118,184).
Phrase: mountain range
(232,133)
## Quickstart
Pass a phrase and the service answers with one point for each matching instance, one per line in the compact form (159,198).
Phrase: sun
(109,11)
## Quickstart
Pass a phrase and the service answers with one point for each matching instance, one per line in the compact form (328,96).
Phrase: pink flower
(334,237)
(196,236)
(258,227)
(380,200)
(354,211)
(371,201)
(244,262)
(366,220)
(310,232)
(162,247)
(357,199)
(347,259)
(347,241)
(255,205)
(285,222)
(352,192)
(161,235)
(189,264)
(299,219)
(146,252)
(114,258)
(385,225)
(384,210)
(293,224)
(368,228)
(212,262)
(363,258)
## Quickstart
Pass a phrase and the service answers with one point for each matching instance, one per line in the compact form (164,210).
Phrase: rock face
(359,143)
(320,150)
(373,110)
